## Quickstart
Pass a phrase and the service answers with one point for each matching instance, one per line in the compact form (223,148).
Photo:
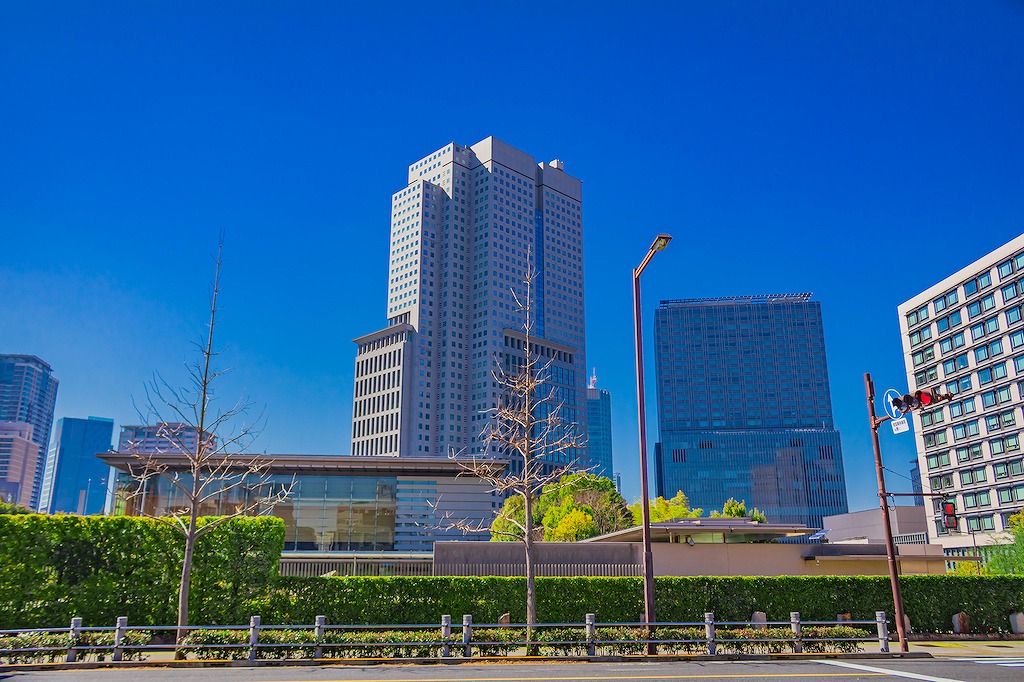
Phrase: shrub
(57,644)
(99,568)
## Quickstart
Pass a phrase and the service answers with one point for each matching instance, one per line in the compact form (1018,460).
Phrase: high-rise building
(161,438)
(965,336)
(744,408)
(75,479)
(18,457)
(28,393)
(471,226)
(599,429)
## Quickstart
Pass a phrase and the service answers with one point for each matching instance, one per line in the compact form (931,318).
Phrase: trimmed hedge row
(930,601)
(99,568)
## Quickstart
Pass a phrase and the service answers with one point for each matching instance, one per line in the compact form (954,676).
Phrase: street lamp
(660,242)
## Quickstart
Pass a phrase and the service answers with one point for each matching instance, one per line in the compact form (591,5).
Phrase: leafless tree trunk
(200,455)
(527,427)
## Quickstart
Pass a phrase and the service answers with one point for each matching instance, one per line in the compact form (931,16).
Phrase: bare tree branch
(196,452)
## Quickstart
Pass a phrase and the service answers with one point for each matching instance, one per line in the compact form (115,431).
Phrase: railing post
(254,636)
(794,624)
(119,631)
(591,634)
(709,632)
(446,635)
(883,632)
(318,632)
(75,631)
(467,635)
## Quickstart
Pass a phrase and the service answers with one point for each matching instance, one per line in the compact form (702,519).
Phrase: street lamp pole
(883,499)
(660,242)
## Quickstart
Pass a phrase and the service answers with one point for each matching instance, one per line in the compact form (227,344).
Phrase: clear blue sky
(861,151)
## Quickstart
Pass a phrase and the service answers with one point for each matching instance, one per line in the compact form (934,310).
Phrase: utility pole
(883,501)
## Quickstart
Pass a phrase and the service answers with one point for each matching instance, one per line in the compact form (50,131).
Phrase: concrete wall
(760,559)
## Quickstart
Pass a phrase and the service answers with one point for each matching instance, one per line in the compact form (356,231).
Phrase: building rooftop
(755,299)
(715,530)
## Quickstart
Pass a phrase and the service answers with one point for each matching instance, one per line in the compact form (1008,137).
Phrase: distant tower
(599,428)
(75,479)
(744,409)
(28,393)
(469,227)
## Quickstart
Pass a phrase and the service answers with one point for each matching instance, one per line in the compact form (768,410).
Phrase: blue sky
(860,151)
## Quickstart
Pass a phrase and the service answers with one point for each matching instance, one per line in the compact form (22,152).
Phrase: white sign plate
(900,425)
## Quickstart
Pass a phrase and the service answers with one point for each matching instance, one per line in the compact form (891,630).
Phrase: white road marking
(886,671)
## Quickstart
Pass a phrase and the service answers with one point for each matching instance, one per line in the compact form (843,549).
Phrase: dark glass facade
(744,408)
(75,479)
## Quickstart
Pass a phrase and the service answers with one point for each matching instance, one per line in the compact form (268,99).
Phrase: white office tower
(464,234)
(965,336)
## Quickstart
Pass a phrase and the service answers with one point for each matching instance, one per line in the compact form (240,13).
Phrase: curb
(333,662)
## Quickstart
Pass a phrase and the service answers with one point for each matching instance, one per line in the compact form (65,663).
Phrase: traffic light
(949,519)
(919,399)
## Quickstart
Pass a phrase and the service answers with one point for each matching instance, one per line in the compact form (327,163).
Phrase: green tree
(573,526)
(12,508)
(594,496)
(738,510)
(1009,559)
(666,510)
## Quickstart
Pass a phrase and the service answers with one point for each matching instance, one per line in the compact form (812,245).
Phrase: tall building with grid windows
(28,394)
(744,408)
(965,336)
(469,227)
(599,429)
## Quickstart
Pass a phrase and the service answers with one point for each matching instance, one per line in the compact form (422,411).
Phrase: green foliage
(738,510)
(504,530)
(591,504)
(55,646)
(12,508)
(558,640)
(99,568)
(1009,559)
(666,510)
(573,526)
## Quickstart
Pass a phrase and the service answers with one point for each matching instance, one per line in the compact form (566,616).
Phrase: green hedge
(99,568)
(930,601)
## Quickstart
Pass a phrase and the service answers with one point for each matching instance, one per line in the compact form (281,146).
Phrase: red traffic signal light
(949,519)
(919,399)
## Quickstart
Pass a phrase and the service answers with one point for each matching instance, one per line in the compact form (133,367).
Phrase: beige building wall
(18,459)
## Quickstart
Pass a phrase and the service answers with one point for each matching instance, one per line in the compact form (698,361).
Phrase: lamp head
(660,242)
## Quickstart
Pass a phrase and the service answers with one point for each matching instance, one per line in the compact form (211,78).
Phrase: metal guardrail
(716,635)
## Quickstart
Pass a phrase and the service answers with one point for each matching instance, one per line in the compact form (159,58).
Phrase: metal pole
(645,505)
(890,548)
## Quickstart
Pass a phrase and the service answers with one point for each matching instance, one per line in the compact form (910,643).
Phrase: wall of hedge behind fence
(98,568)
(930,601)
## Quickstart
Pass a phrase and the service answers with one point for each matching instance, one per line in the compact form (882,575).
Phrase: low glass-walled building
(337,504)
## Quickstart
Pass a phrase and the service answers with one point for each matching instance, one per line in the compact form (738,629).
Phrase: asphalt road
(992,669)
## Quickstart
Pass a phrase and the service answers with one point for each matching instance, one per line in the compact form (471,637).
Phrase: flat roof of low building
(744,530)
(337,464)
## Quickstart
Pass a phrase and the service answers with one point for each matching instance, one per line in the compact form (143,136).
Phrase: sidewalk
(962,648)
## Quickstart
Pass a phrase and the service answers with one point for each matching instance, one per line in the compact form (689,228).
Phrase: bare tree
(528,430)
(200,453)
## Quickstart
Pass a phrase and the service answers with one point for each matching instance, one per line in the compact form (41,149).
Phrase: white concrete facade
(965,336)
(465,232)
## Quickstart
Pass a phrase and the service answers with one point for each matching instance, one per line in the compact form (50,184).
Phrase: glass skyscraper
(28,393)
(744,409)
(75,479)
(599,429)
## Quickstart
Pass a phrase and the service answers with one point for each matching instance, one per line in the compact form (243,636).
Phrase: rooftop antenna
(593,379)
